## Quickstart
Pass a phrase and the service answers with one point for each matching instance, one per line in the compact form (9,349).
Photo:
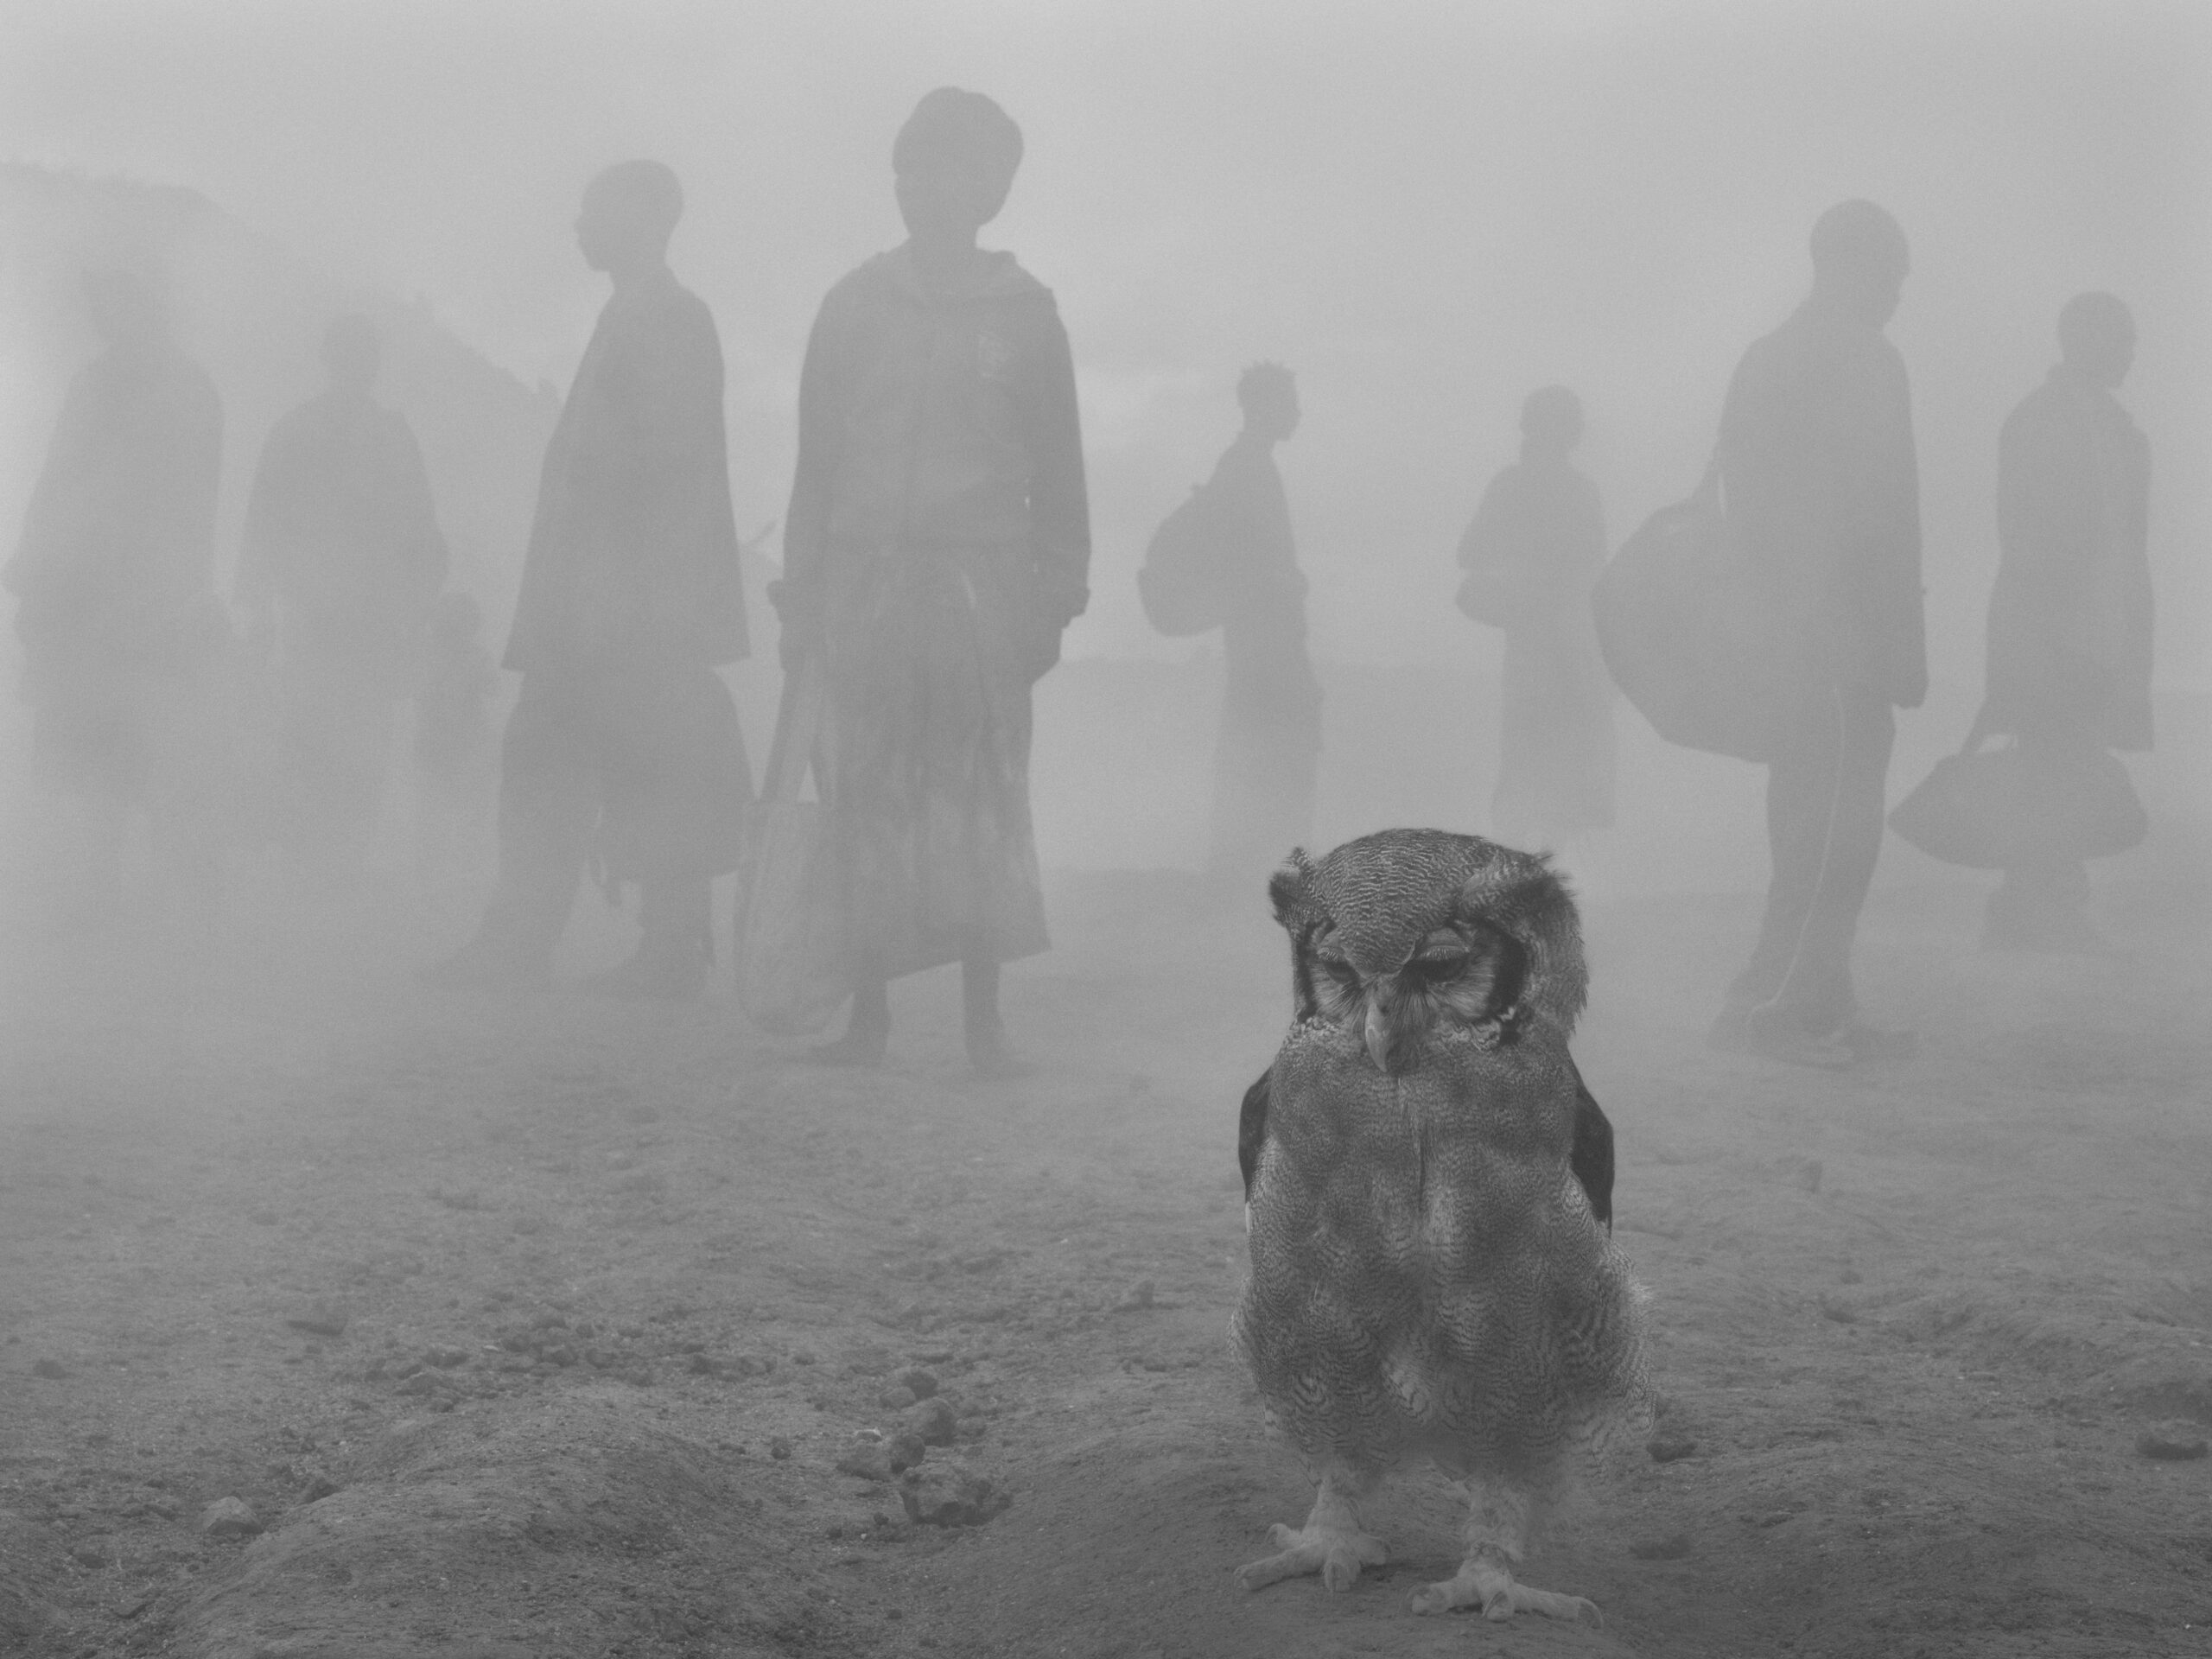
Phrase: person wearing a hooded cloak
(124,642)
(1821,485)
(1269,746)
(623,747)
(341,560)
(1533,553)
(936,545)
(2070,617)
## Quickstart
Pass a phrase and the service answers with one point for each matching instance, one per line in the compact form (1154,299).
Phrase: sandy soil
(620,1286)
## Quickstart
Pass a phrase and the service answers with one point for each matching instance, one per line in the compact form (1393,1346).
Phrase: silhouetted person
(340,559)
(2070,617)
(456,749)
(1822,483)
(1270,739)
(624,742)
(938,542)
(124,639)
(1534,550)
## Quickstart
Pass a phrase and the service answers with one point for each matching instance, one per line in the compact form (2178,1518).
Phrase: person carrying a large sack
(1818,469)
(937,544)
(624,747)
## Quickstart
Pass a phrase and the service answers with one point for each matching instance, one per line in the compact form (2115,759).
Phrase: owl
(1428,1192)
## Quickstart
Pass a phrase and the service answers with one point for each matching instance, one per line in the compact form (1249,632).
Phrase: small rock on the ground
(779,1448)
(1137,1298)
(229,1517)
(869,1458)
(1672,1548)
(917,1382)
(323,1319)
(897,1397)
(2173,1442)
(1668,1448)
(932,1422)
(951,1495)
(50,1369)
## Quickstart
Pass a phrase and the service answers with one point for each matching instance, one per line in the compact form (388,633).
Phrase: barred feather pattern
(1426,1275)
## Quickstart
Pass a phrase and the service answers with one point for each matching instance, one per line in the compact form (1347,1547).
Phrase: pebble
(779,1448)
(323,1319)
(229,1517)
(932,1422)
(951,1495)
(1137,1297)
(49,1368)
(1669,1449)
(897,1397)
(868,1456)
(921,1383)
(2173,1442)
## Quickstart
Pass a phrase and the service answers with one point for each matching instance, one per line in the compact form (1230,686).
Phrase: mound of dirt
(567,1529)
(30,1557)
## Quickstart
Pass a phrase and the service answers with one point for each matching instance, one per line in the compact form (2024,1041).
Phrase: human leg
(549,809)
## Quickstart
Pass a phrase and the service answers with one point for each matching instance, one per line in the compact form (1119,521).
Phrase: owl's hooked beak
(1376,1034)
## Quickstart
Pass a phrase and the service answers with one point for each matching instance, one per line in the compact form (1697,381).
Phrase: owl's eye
(1434,966)
(1338,968)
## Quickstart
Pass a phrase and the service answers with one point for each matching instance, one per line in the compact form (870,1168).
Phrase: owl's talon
(1335,1554)
(1500,1597)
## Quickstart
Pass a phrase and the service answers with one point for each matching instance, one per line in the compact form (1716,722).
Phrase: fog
(1426,210)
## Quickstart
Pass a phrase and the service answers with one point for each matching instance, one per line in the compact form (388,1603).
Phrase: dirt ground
(540,1326)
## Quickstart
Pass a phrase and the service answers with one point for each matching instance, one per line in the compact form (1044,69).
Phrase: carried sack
(1493,594)
(1689,638)
(2021,805)
(790,957)
(1183,584)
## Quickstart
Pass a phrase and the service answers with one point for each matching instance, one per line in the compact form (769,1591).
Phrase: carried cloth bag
(1184,583)
(2022,804)
(790,968)
(1689,638)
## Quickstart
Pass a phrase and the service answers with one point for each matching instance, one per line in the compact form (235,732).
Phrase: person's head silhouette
(954,162)
(1268,393)
(2096,338)
(1551,423)
(629,212)
(1859,262)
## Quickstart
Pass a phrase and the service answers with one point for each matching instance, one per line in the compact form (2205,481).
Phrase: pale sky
(1426,209)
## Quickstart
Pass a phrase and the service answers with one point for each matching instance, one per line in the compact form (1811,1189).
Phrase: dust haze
(531,1287)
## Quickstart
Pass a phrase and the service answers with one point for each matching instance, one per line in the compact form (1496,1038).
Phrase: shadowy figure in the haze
(1269,746)
(1531,556)
(2070,617)
(624,742)
(938,544)
(341,560)
(1822,485)
(456,750)
(125,644)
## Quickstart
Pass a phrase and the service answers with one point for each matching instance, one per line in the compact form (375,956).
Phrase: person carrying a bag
(1531,553)
(1822,483)
(2069,616)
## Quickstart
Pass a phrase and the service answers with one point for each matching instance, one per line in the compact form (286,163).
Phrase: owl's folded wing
(1252,1131)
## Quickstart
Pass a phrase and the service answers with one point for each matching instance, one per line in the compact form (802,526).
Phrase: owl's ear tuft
(1287,891)
(1533,905)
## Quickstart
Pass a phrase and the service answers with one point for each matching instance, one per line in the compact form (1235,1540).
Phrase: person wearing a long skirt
(1531,556)
(938,544)
(2069,616)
